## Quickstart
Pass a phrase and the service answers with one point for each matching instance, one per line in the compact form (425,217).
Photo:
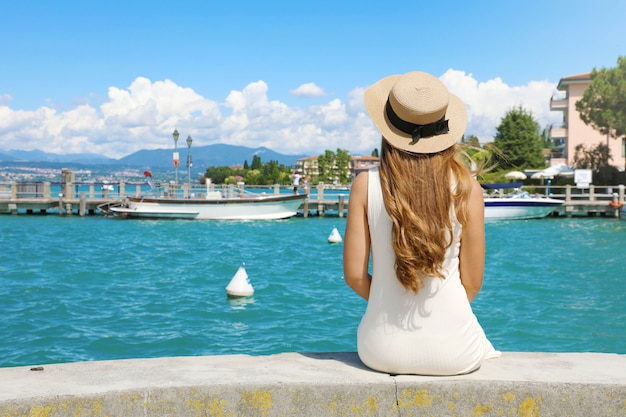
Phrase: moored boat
(211,207)
(517,205)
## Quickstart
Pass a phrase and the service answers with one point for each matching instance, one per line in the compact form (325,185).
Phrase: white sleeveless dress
(432,333)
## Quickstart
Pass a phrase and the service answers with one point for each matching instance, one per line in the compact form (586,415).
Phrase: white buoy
(334,237)
(239,285)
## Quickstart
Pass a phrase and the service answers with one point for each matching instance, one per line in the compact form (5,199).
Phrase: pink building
(363,163)
(574,131)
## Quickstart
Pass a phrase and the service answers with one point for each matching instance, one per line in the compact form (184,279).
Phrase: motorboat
(212,206)
(516,205)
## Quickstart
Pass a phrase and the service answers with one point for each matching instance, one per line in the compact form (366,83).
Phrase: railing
(573,193)
(24,190)
(111,190)
(6,190)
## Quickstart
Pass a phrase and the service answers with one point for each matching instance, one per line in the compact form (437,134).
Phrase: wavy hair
(419,191)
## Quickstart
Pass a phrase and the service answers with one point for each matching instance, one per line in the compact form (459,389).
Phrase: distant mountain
(40,156)
(202,156)
(6,158)
(210,155)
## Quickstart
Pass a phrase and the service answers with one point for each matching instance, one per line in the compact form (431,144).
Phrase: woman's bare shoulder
(358,189)
(476,204)
(477,189)
(361,179)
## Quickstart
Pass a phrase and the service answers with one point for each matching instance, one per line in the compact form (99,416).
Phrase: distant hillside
(40,156)
(210,155)
(6,158)
(203,156)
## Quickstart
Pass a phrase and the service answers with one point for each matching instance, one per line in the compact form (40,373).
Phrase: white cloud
(143,115)
(488,102)
(309,90)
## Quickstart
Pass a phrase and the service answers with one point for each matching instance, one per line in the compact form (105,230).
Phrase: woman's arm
(356,247)
(472,253)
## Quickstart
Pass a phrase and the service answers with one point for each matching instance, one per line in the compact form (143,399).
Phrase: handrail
(17,190)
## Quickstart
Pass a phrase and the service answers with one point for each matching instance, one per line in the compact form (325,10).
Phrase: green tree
(218,175)
(603,104)
(471,140)
(325,163)
(597,159)
(343,161)
(518,141)
(483,157)
(271,173)
(594,158)
(548,142)
(266,174)
(375,153)
(246,166)
(253,176)
(256,162)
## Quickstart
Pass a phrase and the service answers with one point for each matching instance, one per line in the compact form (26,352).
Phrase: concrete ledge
(316,384)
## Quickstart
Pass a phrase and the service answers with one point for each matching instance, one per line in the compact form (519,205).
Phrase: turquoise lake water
(95,288)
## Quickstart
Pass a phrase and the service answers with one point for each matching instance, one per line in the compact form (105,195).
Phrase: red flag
(147,173)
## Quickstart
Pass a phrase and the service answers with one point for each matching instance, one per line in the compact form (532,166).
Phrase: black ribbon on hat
(416,131)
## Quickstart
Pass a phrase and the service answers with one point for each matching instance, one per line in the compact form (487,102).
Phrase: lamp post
(176,158)
(189,140)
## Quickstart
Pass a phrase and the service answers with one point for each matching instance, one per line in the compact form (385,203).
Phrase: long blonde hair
(419,191)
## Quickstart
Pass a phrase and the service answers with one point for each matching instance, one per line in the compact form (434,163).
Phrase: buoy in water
(334,237)
(239,285)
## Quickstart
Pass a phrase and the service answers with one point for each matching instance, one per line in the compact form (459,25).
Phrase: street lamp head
(189,140)
(175,135)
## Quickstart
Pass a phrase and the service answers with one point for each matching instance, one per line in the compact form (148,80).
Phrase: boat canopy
(501,185)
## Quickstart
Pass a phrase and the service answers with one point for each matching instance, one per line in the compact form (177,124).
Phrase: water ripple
(92,288)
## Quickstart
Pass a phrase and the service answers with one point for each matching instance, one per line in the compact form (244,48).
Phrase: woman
(421,215)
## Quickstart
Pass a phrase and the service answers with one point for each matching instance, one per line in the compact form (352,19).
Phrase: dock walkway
(36,198)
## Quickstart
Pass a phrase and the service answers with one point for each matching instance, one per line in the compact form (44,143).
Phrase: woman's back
(432,332)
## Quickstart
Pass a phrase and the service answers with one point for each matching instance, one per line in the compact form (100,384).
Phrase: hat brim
(375,100)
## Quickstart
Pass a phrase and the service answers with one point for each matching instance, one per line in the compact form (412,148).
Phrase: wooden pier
(602,201)
(37,198)
(593,201)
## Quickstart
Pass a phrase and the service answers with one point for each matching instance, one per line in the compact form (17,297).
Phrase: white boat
(211,207)
(517,205)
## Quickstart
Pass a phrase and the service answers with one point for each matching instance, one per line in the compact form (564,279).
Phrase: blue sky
(113,77)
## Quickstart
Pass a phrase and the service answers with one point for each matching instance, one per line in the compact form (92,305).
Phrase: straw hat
(416,113)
